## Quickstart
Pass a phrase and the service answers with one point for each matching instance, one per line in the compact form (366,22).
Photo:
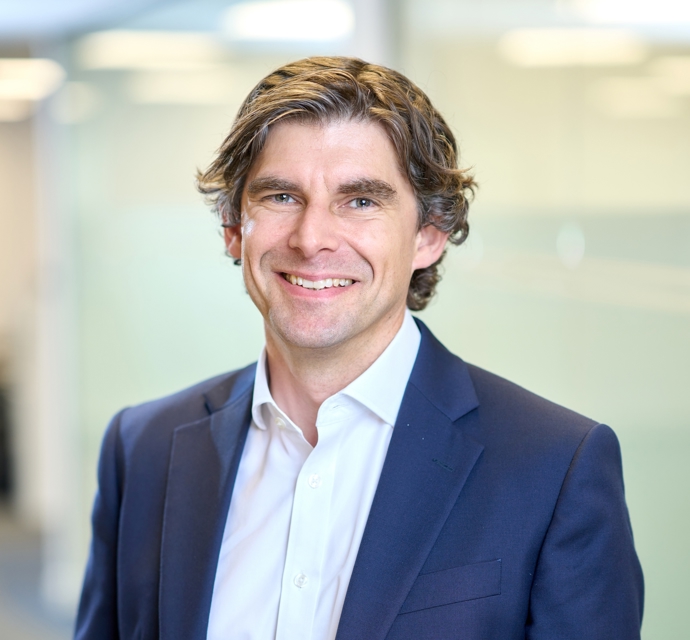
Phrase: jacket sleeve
(588,581)
(97,613)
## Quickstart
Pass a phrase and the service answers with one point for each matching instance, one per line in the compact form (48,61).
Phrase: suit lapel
(203,465)
(428,462)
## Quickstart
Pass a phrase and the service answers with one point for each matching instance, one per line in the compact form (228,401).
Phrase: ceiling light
(29,78)
(571,47)
(289,20)
(120,49)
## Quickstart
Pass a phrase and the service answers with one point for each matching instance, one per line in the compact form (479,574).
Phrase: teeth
(319,284)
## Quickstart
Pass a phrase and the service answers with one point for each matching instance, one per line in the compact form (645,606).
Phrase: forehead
(342,146)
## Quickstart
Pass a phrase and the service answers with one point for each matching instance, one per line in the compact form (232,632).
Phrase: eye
(282,198)
(361,203)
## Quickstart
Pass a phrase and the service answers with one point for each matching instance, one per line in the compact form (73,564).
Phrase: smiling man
(329,242)
(359,481)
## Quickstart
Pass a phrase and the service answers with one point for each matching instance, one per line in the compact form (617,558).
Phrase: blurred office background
(574,114)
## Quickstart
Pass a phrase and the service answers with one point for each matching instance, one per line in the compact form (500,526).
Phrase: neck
(300,378)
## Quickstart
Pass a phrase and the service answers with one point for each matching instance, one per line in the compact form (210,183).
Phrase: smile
(319,284)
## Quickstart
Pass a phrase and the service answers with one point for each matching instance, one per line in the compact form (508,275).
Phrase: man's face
(329,236)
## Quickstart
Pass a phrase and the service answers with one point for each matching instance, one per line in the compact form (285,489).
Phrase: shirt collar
(380,388)
(262,394)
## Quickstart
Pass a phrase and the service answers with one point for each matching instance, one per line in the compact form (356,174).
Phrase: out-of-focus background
(574,114)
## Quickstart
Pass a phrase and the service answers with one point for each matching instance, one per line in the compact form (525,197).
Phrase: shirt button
(280,423)
(300,580)
(314,481)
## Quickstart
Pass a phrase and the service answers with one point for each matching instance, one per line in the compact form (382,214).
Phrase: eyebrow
(378,189)
(270,183)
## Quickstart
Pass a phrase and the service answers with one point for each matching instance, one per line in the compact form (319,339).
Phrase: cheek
(248,226)
(251,252)
(258,238)
(390,255)
(402,247)
(265,231)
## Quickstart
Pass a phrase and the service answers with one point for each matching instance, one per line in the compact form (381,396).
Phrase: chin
(312,335)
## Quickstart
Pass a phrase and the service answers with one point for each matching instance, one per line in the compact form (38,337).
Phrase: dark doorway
(5,455)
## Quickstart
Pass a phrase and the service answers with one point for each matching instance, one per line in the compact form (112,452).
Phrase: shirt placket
(309,532)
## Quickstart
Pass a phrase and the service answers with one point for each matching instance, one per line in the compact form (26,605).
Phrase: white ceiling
(22,20)
(26,20)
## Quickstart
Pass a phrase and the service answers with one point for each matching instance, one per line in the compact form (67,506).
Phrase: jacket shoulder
(161,416)
(511,412)
(498,407)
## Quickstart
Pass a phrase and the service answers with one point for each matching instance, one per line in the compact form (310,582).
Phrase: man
(360,482)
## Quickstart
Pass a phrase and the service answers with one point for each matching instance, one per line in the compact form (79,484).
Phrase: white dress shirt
(298,512)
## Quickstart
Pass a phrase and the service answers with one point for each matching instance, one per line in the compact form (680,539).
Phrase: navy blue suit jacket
(498,515)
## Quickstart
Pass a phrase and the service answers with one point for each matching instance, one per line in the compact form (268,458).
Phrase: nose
(315,231)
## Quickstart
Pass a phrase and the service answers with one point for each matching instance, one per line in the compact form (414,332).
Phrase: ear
(233,240)
(431,242)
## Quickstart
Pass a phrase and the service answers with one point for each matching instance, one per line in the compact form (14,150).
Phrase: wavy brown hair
(327,89)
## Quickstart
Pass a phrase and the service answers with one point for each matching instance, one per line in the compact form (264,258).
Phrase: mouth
(326,283)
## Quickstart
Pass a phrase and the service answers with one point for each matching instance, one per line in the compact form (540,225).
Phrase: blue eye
(362,203)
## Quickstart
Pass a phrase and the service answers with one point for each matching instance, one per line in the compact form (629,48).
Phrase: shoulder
(150,421)
(502,400)
(519,425)
(505,417)
(536,449)
(444,378)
